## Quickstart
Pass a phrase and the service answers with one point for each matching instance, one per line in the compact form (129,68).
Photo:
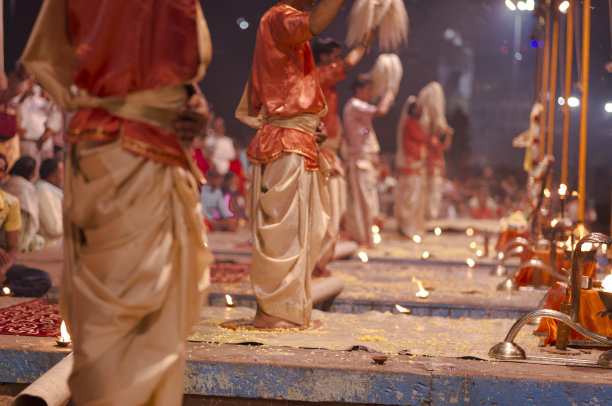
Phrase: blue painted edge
(336,385)
(353,306)
(391,388)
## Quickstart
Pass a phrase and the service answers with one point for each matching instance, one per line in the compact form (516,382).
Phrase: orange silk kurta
(329,75)
(284,83)
(117,55)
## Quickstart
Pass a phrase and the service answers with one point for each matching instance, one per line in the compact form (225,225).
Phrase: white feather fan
(390,15)
(432,99)
(387,74)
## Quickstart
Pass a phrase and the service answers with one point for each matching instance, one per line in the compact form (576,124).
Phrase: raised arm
(356,54)
(323,14)
(385,104)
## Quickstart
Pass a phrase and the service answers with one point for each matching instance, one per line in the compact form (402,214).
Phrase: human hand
(370,38)
(192,119)
(321,134)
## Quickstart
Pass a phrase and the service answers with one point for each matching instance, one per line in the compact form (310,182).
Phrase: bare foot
(321,272)
(263,320)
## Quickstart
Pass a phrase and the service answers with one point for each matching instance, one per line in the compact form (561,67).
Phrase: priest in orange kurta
(332,69)
(136,256)
(289,202)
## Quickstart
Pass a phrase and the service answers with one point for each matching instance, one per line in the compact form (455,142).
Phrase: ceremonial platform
(436,350)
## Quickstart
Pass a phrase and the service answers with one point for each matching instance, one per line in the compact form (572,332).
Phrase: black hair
(361,81)
(24,167)
(411,107)
(324,46)
(47,168)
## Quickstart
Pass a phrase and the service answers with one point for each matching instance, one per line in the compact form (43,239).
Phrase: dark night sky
(500,100)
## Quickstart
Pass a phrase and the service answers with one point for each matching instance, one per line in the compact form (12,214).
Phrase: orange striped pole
(569,48)
(586,56)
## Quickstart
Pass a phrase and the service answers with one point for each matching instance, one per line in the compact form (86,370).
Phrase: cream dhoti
(289,207)
(336,188)
(410,202)
(435,190)
(137,254)
(362,200)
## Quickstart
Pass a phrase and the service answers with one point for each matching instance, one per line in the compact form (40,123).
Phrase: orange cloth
(284,83)
(508,235)
(435,154)
(590,305)
(164,37)
(329,75)
(415,143)
(525,277)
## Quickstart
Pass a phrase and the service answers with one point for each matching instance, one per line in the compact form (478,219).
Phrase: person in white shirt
(220,147)
(39,118)
(362,156)
(50,197)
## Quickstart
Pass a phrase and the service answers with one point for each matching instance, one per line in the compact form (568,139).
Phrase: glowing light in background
(573,101)
(242,23)
(564,6)
(363,257)
(510,4)
(402,309)
(608,107)
(470,262)
(417,239)
(438,231)
(426,255)
(229,302)
(469,232)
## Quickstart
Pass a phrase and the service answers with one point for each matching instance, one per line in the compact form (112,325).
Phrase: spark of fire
(422,293)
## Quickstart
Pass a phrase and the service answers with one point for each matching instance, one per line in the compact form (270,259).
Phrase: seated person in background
(482,206)
(21,280)
(50,197)
(214,207)
(20,185)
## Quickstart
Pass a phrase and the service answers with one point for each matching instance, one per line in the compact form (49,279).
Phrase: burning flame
(229,302)
(587,246)
(470,262)
(6,291)
(375,229)
(606,284)
(562,189)
(376,238)
(438,231)
(422,293)
(64,336)
(479,253)
(554,222)
(417,239)
(402,309)
(547,193)
(426,255)
(473,245)
(469,232)
(363,257)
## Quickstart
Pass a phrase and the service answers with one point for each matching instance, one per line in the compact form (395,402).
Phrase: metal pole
(569,48)
(554,63)
(545,82)
(584,104)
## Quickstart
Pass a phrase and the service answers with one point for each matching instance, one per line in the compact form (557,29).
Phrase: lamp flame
(376,238)
(438,231)
(473,245)
(606,284)
(229,302)
(6,291)
(426,255)
(64,336)
(469,232)
(375,229)
(422,293)
(417,239)
(562,189)
(547,193)
(363,257)
(470,262)
(554,222)
(402,309)
(479,253)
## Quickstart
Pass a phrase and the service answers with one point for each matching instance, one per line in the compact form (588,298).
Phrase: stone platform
(427,373)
